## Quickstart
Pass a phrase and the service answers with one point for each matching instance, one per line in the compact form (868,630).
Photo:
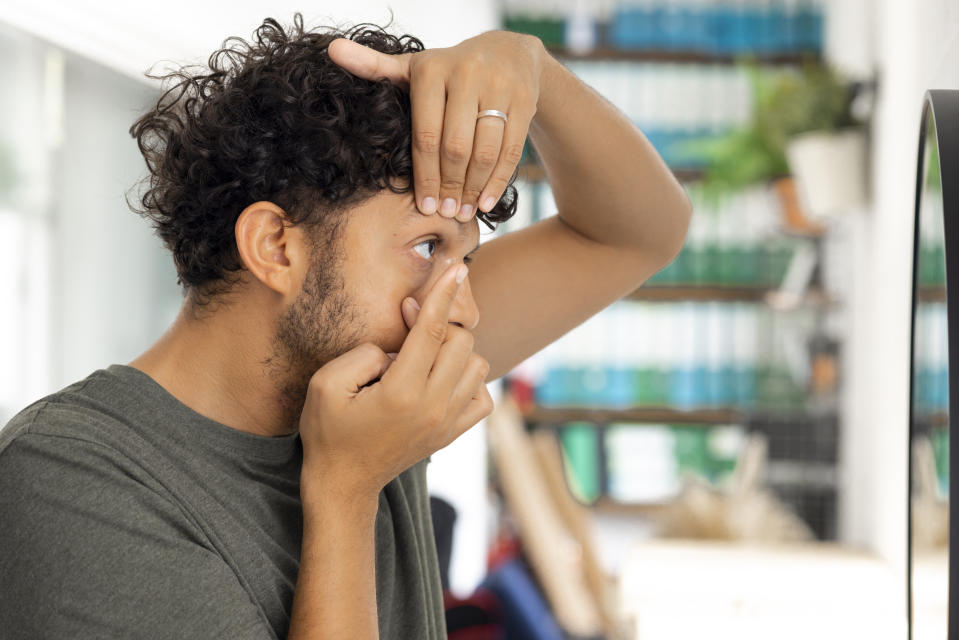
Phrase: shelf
(707,416)
(608,506)
(692,293)
(789,474)
(930,420)
(606,53)
(533,172)
(654,293)
(664,415)
(931,294)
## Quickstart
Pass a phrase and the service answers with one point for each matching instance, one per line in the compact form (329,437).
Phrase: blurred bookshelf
(682,57)
(713,31)
(601,415)
(672,379)
(533,172)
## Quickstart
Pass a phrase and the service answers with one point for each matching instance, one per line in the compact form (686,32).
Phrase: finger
(479,406)
(410,309)
(486,146)
(459,126)
(353,370)
(422,344)
(510,153)
(369,63)
(449,365)
(428,104)
(473,375)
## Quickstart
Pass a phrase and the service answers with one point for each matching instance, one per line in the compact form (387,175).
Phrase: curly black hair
(273,119)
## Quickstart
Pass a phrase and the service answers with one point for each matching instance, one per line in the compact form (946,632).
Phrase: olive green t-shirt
(126,514)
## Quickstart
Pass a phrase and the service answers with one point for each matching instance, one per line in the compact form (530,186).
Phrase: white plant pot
(830,171)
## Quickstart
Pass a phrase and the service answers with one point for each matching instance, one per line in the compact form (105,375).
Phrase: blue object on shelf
(719,387)
(687,387)
(672,27)
(744,386)
(593,385)
(620,387)
(552,391)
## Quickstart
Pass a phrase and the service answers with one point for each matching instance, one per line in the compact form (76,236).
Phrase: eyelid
(439,242)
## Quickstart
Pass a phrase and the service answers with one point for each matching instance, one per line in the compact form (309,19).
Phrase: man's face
(387,251)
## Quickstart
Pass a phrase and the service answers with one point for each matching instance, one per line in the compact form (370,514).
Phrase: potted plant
(825,143)
(803,138)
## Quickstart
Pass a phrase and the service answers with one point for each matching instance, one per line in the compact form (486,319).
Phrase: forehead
(399,213)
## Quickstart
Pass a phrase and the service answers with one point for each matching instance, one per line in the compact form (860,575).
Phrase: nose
(464,311)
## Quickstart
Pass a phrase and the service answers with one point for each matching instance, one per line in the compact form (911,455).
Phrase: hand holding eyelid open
(461,161)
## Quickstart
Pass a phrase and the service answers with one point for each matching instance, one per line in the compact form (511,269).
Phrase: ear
(273,251)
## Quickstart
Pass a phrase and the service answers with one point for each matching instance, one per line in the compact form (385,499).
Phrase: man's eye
(431,242)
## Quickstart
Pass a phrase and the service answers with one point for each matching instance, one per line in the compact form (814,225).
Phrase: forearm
(608,181)
(335,593)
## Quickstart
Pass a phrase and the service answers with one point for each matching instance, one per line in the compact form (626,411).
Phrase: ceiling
(132,36)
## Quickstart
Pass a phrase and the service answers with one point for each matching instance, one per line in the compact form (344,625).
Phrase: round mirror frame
(943,107)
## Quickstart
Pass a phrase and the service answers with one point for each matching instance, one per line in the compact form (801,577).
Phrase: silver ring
(491,112)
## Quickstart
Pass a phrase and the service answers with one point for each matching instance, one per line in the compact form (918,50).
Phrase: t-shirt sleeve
(89,550)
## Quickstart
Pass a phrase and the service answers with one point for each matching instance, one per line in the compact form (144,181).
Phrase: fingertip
(448,208)
(333,45)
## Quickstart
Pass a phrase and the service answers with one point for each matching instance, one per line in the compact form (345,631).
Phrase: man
(259,472)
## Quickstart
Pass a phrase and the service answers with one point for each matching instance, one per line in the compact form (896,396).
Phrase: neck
(221,364)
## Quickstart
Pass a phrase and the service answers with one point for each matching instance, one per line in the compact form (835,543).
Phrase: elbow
(676,228)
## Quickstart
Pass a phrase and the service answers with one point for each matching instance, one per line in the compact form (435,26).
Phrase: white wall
(915,49)
(114,283)
(131,36)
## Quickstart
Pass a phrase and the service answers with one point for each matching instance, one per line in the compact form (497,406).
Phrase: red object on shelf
(523,394)
(503,549)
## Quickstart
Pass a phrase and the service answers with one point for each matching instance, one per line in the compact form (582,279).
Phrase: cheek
(381,288)
(388,324)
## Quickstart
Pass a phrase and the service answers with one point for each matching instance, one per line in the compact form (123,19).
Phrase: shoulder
(68,442)
(86,520)
(84,413)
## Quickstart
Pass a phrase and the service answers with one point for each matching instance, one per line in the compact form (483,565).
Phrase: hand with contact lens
(358,435)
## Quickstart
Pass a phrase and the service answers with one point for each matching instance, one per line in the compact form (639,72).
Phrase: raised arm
(622,216)
(609,183)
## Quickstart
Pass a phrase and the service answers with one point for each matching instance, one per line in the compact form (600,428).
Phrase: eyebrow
(415,216)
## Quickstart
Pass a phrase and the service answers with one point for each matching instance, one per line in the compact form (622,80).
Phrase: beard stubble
(322,323)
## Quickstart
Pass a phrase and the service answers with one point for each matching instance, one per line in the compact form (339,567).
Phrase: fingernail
(466,210)
(488,203)
(429,205)
(392,356)
(414,304)
(461,274)
(449,207)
